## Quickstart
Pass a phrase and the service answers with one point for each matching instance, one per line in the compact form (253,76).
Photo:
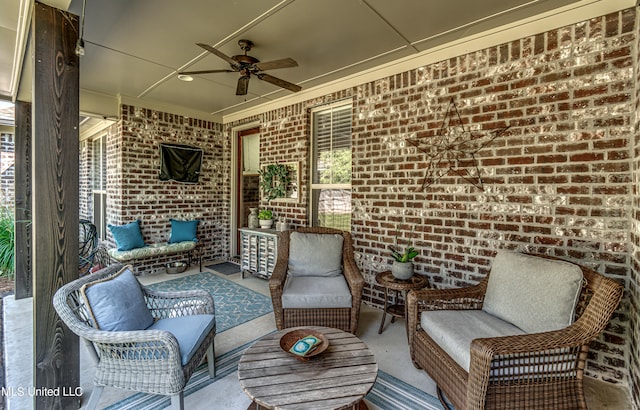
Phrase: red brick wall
(7,167)
(634,278)
(134,190)
(558,182)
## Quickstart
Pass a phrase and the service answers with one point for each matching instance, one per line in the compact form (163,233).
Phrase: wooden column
(22,213)
(55,200)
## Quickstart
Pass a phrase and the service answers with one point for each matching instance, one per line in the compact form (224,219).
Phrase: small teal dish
(304,344)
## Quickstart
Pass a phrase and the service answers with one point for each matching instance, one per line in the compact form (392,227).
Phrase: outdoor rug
(388,392)
(226,268)
(234,304)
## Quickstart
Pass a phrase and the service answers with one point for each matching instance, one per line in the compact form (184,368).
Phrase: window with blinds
(331,167)
(99,185)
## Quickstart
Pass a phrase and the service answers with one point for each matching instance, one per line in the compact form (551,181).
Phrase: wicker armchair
(147,361)
(341,318)
(530,371)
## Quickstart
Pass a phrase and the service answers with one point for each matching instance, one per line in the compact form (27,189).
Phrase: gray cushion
(189,331)
(117,302)
(453,330)
(316,292)
(314,254)
(533,293)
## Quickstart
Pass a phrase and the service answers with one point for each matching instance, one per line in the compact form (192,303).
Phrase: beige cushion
(453,330)
(314,254)
(532,293)
(310,292)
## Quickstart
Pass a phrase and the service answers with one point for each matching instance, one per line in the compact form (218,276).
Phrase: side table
(389,282)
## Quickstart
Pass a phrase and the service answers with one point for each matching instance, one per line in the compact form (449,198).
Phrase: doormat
(226,268)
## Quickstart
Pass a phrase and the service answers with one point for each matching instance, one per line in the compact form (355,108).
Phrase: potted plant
(265,217)
(402,267)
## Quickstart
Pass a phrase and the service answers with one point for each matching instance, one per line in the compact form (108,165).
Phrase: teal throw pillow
(183,230)
(116,303)
(127,236)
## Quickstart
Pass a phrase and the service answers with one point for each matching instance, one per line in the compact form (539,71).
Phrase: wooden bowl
(290,338)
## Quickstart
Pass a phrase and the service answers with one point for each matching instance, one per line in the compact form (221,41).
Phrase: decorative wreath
(275,180)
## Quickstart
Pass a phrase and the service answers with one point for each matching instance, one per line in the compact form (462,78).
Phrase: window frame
(339,105)
(100,142)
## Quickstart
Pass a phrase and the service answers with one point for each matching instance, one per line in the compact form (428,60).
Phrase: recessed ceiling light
(184,77)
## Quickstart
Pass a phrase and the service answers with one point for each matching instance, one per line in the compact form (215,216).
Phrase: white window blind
(99,185)
(331,167)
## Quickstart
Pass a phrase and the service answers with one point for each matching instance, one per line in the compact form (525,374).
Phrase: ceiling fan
(247,65)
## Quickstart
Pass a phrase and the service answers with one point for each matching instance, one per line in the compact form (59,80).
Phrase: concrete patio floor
(18,352)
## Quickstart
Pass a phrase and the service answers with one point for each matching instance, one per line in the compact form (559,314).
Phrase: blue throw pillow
(183,230)
(127,236)
(117,303)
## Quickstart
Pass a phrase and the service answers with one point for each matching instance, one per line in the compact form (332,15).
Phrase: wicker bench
(191,248)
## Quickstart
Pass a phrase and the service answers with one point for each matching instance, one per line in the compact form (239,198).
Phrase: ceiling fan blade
(206,72)
(279,82)
(220,54)
(243,85)
(272,65)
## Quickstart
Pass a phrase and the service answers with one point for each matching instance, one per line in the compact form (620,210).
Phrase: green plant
(405,254)
(275,180)
(7,245)
(265,214)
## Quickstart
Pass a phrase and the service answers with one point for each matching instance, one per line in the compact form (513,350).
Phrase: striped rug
(388,393)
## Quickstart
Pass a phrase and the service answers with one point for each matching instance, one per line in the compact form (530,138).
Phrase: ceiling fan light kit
(247,65)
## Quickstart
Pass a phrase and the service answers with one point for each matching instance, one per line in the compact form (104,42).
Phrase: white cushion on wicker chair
(534,294)
(315,254)
(453,330)
(190,331)
(310,292)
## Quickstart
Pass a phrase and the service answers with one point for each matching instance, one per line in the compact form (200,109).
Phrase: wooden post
(22,212)
(55,201)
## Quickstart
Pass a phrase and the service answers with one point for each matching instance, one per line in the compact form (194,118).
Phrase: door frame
(235,163)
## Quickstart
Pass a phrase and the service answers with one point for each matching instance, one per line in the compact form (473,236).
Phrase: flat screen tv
(180,163)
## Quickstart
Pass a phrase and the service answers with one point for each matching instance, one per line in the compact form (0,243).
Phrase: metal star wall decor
(453,149)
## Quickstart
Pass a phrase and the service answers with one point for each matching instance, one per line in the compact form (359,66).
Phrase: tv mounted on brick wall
(180,163)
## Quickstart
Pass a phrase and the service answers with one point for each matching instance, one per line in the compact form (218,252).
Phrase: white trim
(564,16)
(174,109)
(22,41)
(97,128)
(233,214)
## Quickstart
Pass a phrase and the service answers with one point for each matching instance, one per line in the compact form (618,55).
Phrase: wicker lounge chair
(151,360)
(344,317)
(541,370)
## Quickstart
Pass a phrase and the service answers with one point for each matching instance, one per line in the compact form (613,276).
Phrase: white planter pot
(266,223)
(402,270)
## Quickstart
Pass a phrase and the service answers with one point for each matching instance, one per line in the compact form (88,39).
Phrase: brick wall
(634,279)
(558,182)
(7,168)
(134,190)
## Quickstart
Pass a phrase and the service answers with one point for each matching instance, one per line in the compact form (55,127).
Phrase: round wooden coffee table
(338,378)
(389,282)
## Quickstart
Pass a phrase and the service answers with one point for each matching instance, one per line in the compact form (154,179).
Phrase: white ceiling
(134,48)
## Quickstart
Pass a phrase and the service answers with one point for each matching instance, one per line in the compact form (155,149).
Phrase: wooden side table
(389,282)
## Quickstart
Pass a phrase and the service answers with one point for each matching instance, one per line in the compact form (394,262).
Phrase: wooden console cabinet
(258,251)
